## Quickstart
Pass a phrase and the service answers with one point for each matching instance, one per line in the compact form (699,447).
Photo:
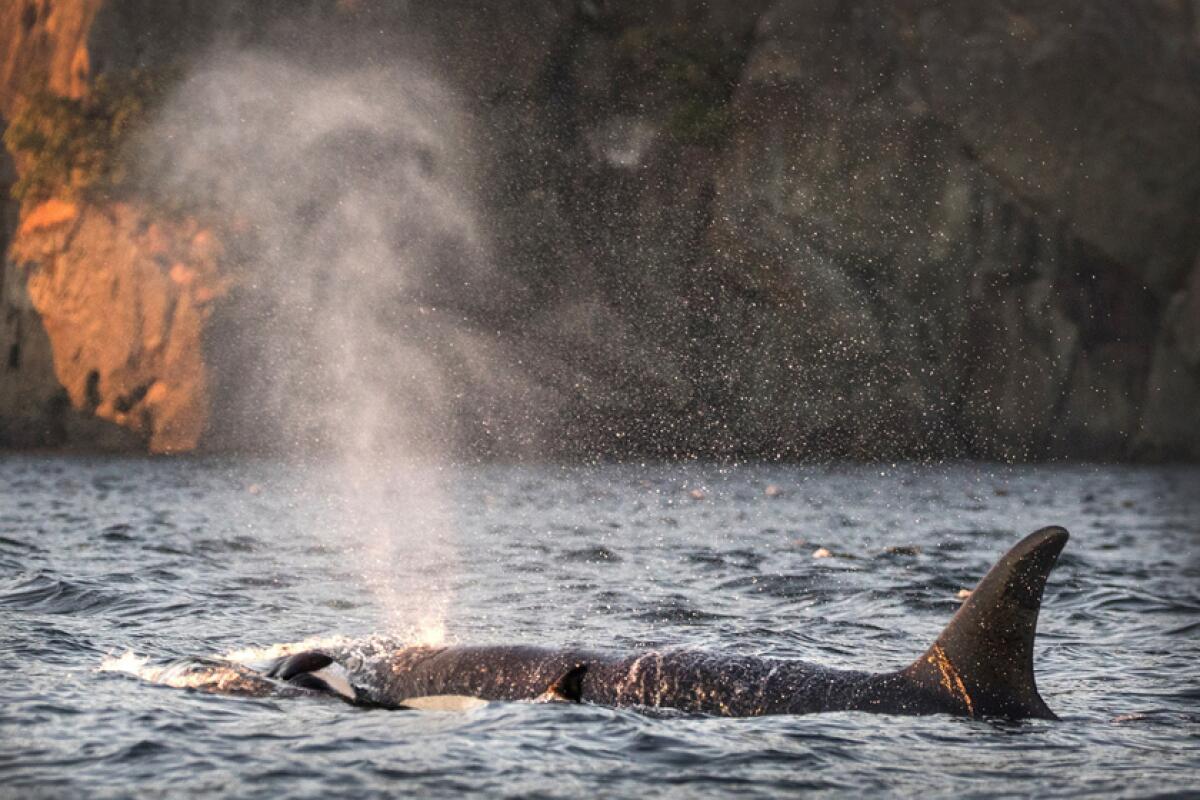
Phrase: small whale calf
(980,666)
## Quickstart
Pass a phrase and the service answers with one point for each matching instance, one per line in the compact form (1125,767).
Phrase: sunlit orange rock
(182,275)
(48,215)
(126,331)
(48,39)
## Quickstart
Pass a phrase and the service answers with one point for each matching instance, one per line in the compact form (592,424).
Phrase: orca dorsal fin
(566,688)
(983,660)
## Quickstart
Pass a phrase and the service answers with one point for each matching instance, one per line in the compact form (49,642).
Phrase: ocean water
(114,571)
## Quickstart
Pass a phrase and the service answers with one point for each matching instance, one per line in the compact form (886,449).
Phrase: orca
(980,666)
(318,672)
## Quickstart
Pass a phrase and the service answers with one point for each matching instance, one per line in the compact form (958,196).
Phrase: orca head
(317,672)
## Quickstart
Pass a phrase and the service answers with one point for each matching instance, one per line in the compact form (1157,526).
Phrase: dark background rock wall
(775,229)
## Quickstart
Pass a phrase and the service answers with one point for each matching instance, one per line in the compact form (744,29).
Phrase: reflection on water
(138,566)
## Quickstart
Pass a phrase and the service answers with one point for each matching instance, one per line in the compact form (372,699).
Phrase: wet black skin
(980,666)
(689,681)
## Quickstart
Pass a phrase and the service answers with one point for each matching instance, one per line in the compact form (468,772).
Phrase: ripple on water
(591,555)
(52,594)
(176,559)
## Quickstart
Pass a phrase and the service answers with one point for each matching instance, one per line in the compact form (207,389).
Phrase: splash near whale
(980,666)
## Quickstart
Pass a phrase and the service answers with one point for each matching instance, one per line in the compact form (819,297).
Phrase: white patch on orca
(336,677)
(443,702)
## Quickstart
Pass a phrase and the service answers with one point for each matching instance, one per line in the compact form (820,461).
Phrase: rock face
(123,303)
(783,228)
(41,44)
(44,44)
(968,191)
(1173,394)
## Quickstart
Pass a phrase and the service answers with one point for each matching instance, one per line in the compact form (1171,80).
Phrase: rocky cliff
(777,228)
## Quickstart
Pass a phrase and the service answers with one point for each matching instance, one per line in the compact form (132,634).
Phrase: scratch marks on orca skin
(763,687)
(643,684)
(950,679)
(660,682)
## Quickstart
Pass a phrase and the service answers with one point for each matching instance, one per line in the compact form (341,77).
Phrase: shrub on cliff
(698,74)
(67,146)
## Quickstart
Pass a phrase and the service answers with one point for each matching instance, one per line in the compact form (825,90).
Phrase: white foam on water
(259,655)
(179,676)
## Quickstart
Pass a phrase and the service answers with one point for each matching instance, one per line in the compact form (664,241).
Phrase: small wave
(591,555)
(706,558)
(678,610)
(260,655)
(54,595)
(121,532)
(785,586)
(1128,599)
(427,634)
(17,546)
(1157,716)
(236,544)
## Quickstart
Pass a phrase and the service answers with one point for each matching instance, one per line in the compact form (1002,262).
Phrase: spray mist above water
(356,241)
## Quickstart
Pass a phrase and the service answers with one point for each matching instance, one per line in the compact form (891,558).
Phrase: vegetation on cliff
(700,71)
(72,147)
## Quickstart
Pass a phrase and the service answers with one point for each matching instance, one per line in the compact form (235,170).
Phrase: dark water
(168,559)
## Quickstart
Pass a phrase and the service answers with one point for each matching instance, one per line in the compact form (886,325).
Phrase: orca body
(980,666)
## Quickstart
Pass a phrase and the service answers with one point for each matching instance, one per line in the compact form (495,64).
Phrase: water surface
(171,559)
